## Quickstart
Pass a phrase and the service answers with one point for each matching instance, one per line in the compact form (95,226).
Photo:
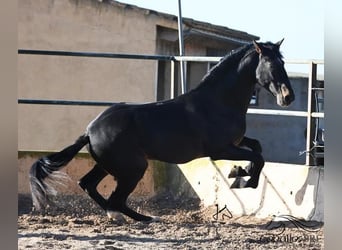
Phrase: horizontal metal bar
(299,61)
(65,102)
(217,59)
(143,57)
(94,54)
(97,103)
(317,115)
(285,113)
(198,58)
(277,112)
(153,57)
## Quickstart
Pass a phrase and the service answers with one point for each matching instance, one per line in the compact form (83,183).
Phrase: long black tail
(45,171)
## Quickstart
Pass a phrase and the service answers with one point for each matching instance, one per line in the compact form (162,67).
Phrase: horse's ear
(257,47)
(280,42)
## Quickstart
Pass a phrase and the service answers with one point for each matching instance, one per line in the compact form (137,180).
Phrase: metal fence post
(181,47)
(172,87)
(309,132)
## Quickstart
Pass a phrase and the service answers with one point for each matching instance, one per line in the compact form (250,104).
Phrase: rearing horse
(208,121)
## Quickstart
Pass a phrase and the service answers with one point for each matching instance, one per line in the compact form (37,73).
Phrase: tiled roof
(194,26)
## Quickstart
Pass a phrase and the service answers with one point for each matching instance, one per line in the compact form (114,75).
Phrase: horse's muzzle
(285,96)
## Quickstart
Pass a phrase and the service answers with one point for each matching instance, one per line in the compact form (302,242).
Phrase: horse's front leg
(255,146)
(239,154)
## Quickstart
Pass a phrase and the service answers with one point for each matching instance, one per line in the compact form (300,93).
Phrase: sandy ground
(77,223)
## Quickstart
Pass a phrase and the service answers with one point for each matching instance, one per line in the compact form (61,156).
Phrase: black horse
(208,121)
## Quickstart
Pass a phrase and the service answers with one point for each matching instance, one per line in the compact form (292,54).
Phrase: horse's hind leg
(89,183)
(126,183)
(117,201)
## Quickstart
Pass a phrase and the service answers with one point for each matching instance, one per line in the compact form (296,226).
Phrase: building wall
(79,26)
(96,26)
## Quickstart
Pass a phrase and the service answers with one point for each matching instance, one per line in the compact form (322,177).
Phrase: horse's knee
(253,144)
(257,147)
(259,161)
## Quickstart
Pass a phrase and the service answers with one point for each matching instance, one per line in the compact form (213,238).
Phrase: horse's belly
(174,157)
(173,150)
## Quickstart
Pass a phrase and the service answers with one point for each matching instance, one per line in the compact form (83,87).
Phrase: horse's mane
(232,61)
(229,60)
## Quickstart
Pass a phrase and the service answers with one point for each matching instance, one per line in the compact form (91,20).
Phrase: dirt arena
(77,223)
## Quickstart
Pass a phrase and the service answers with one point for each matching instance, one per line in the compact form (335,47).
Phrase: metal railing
(309,114)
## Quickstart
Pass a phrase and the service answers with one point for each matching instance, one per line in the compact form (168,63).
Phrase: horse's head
(271,74)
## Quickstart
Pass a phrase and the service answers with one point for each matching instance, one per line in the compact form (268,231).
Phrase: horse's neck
(233,85)
(246,82)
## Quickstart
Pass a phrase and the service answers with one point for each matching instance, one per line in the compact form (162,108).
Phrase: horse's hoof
(116,216)
(155,219)
(238,183)
(237,171)
(150,219)
(252,184)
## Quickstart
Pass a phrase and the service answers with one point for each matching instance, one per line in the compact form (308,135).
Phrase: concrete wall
(284,189)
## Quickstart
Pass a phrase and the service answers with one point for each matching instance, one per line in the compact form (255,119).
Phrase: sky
(300,22)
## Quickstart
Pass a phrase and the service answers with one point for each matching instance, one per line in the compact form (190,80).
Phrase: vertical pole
(156,81)
(172,87)
(309,133)
(181,47)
